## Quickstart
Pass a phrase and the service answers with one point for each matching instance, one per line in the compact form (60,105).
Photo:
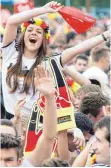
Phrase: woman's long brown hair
(15,71)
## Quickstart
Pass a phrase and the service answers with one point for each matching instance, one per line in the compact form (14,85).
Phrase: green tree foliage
(94,3)
(76,3)
(100,3)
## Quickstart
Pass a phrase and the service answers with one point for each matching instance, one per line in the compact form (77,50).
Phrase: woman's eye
(39,32)
(29,30)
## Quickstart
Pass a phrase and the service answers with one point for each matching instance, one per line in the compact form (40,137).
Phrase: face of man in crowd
(101,147)
(81,65)
(99,117)
(77,101)
(8,158)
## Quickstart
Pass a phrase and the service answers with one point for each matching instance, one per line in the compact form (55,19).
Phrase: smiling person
(19,61)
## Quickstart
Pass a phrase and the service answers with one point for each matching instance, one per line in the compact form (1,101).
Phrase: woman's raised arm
(16,19)
(70,53)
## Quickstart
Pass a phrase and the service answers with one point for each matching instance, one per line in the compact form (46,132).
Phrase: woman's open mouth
(32,40)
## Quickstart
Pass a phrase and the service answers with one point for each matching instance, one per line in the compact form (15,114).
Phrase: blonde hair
(98,52)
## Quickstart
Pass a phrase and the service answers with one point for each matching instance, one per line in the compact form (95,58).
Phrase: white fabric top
(26,163)
(10,57)
(95,71)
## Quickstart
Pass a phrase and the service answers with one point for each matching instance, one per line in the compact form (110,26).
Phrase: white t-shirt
(26,163)
(95,71)
(10,55)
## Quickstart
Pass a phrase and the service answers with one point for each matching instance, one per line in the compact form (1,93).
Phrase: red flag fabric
(79,21)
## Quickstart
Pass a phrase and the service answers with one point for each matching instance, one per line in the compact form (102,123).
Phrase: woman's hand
(52,7)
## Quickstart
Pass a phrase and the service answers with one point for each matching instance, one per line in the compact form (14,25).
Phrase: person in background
(84,90)
(101,62)
(99,144)
(55,162)
(9,150)
(81,63)
(93,105)
(72,141)
(70,38)
(102,145)
(85,125)
(6,126)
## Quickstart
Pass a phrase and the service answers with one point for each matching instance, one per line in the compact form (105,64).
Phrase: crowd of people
(55,97)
